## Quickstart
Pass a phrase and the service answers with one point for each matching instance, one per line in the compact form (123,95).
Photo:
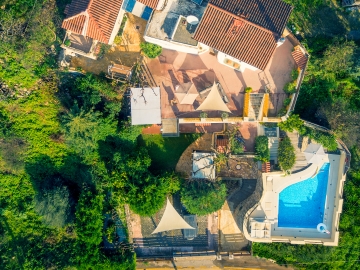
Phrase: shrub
(202,197)
(67,43)
(293,123)
(290,88)
(150,50)
(287,102)
(117,40)
(224,115)
(294,74)
(203,115)
(110,230)
(286,154)
(327,140)
(248,90)
(236,146)
(262,149)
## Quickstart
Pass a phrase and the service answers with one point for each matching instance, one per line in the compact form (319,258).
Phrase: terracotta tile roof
(150,3)
(270,14)
(236,37)
(300,58)
(92,18)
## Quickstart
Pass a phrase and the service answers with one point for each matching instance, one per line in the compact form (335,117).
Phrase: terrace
(173,68)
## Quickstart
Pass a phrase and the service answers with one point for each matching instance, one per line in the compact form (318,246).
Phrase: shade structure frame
(214,101)
(171,220)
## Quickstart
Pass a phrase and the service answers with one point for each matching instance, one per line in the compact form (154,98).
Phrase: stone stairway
(301,162)
(255,105)
(273,147)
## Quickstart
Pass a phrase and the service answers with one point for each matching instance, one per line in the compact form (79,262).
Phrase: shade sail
(186,93)
(314,153)
(213,102)
(171,220)
(145,106)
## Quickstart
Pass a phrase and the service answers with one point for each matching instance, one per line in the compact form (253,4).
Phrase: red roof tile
(300,58)
(270,14)
(236,37)
(150,3)
(93,18)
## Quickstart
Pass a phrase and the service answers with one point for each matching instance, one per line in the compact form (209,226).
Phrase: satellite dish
(192,20)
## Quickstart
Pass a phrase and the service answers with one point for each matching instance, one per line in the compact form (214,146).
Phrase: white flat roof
(145,106)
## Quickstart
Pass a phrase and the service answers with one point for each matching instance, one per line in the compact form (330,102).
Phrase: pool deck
(265,213)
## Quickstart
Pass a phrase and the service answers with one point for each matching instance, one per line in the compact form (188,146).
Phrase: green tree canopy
(262,149)
(202,197)
(150,50)
(286,154)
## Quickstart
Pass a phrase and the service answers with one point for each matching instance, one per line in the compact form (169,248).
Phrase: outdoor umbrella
(314,153)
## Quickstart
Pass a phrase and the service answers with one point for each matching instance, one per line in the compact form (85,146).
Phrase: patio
(173,68)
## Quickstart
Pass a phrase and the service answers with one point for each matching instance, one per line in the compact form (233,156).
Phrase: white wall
(172,45)
(221,57)
(117,25)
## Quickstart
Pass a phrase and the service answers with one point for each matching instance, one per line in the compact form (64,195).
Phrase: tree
(54,206)
(85,129)
(89,227)
(286,154)
(337,60)
(262,149)
(202,197)
(150,50)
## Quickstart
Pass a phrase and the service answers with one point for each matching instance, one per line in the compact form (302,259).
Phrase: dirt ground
(126,53)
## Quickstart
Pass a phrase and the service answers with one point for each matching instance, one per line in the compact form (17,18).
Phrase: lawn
(165,152)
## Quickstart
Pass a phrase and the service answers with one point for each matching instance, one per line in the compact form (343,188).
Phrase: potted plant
(203,115)
(67,43)
(248,89)
(224,116)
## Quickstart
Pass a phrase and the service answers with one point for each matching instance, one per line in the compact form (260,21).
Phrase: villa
(225,64)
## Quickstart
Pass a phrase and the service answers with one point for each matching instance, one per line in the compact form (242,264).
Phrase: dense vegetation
(203,197)
(286,155)
(262,148)
(150,50)
(330,97)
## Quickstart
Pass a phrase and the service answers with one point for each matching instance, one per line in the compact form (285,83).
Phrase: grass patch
(165,152)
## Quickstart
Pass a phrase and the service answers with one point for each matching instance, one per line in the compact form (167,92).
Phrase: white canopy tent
(314,153)
(145,106)
(186,93)
(214,101)
(171,220)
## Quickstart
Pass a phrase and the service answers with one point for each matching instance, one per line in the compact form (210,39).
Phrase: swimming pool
(301,205)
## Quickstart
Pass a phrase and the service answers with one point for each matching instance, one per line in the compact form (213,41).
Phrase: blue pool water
(301,205)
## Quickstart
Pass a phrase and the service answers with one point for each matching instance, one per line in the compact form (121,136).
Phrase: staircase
(300,162)
(255,105)
(273,147)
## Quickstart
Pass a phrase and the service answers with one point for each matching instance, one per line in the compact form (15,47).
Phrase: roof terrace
(173,68)
(168,23)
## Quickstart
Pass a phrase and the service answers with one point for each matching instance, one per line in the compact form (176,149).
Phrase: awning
(314,153)
(186,93)
(145,106)
(171,220)
(214,101)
